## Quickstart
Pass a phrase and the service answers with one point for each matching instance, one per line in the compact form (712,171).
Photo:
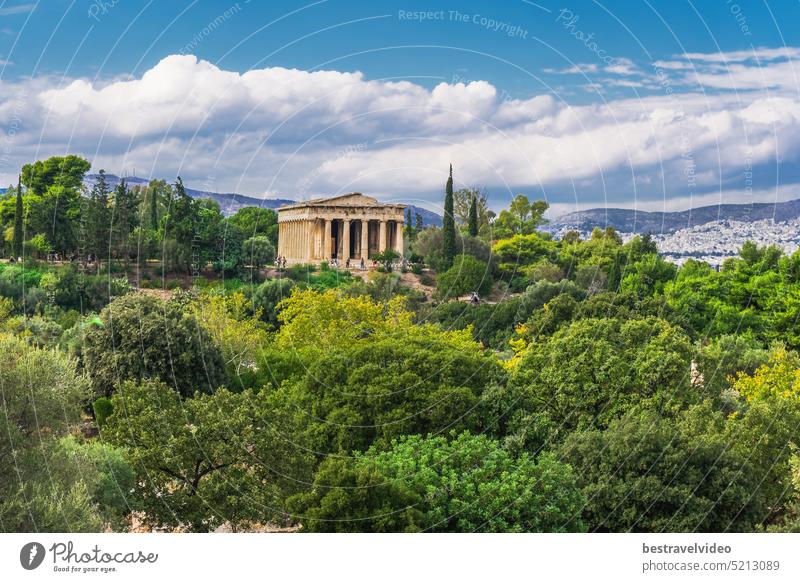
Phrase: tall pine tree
(98,218)
(123,219)
(449,223)
(19,232)
(473,216)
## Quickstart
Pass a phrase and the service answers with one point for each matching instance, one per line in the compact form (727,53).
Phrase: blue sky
(646,104)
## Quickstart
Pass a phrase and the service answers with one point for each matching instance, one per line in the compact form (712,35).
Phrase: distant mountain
(428,218)
(231,203)
(629,221)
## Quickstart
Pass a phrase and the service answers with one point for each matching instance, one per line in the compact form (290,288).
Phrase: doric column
(364,239)
(282,239)
(382,237)
(327,243)
(398,233)
(311,228)
(345,239)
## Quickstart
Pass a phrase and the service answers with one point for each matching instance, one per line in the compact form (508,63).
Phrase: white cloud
(18,9)
(747,70)
(300,133)
(577,69)
(622,66)
(760,54)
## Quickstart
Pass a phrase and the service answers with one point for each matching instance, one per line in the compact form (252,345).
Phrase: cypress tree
(449,223)
(473,217)
(18,224)
(153,207)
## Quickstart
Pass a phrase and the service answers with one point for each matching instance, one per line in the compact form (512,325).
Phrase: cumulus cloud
(307,133)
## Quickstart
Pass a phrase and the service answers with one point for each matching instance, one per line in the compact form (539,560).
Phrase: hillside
(628,220)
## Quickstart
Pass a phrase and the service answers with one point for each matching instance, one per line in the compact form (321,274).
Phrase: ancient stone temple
(350,226)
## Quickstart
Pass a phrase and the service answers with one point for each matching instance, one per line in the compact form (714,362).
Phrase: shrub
(258,251)
(140,337)
(467,275)
(37,246)
(430,242)
(267,296)
(102,410)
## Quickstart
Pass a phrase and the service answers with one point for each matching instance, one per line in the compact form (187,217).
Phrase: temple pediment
(356,199)
(352,199)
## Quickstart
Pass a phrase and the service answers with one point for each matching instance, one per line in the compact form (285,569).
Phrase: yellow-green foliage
(311,320)
(780,377)
(239,335)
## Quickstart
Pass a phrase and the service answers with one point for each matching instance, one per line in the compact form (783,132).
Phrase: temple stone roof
(351,199)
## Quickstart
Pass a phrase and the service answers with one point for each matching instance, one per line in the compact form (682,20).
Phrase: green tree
(55,215)
(645,277)
(594,370)
(141,337)
(449,223)
(103,470)
(463,199)
(384,388)
(370,374)
(258,251)
(386,258)
(647,473)
(97,218)
(200,461)
(268,295)
(467,484)
(523,250)
(429,244)
(522,217)
(19,231)
(473,217)
(256,221)
(156,193)
(180,224)
(42,398)
(124,219)
(467,275)
(66,172)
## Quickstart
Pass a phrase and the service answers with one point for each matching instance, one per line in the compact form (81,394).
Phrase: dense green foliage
(649,473)
(40,489)
(140,337)
(222,463)
(612,365)
(465,484)
(595,386)
(467,275)
(51,213)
